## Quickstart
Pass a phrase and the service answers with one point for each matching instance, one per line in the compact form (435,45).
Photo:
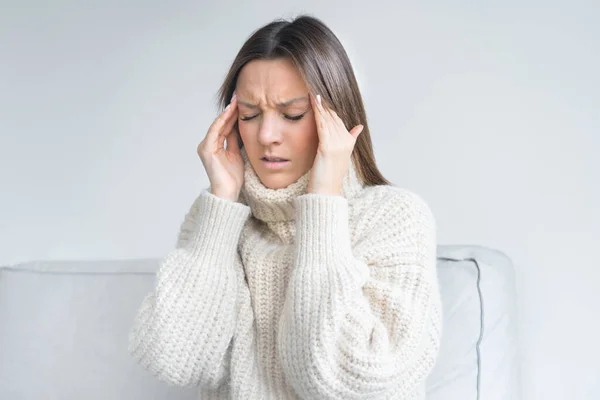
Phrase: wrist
(325,190)
(226,195)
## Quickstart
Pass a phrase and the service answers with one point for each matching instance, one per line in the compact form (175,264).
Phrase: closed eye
(289,117)
(296,118)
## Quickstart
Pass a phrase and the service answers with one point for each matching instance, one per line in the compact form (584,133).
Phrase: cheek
(247,132)
(311,136)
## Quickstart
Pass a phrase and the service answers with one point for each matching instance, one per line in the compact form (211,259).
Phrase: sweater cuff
(219,223)
(322,228)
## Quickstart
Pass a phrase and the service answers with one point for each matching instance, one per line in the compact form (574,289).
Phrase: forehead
(272,80)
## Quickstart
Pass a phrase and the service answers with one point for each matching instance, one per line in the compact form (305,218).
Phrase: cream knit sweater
(291,295)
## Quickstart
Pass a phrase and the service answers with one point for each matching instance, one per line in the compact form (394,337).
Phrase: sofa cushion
(478,357)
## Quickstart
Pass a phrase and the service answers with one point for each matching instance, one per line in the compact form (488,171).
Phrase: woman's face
(276,120)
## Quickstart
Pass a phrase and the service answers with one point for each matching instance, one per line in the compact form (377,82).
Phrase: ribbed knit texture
(291,295)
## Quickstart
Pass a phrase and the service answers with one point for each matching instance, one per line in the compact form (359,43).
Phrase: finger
(225,132)
(315,105)
(324,112)
(341,125)
(320,106)
(225,129)
(357,130)
(332,121)
(226,115)
(337,120)
(233,142)
(323,107)
(228,126)
(319,117)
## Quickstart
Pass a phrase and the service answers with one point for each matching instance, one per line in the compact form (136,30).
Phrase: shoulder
(390,223)
(391,205)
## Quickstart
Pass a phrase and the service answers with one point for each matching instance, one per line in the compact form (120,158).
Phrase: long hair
(325,67)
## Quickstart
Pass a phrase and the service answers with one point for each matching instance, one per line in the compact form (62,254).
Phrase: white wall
(489,112)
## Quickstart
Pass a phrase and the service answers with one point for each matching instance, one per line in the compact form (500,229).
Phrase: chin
(276,182)
(277,179)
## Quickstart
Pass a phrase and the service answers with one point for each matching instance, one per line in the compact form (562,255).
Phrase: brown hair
(324,65)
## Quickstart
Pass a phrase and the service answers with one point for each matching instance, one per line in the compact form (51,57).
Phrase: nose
(269,131)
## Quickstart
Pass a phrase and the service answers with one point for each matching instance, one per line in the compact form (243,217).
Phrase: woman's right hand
(224,166)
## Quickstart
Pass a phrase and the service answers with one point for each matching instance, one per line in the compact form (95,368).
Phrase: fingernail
(319,99)
(233,97)
(227,108)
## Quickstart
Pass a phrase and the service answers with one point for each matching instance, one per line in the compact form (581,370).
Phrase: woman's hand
(224,166)
(334,152)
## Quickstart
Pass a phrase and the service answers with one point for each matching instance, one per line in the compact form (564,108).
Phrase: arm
(361,328)
(183,330)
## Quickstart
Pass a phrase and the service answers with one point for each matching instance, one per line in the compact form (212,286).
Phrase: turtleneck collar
(277,205)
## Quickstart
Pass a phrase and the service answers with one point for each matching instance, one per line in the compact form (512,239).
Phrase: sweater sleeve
(184,327)
(363,327)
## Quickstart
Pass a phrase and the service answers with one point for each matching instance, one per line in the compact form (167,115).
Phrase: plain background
(489,111)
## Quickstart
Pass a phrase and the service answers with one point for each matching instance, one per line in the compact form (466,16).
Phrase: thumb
(357,130)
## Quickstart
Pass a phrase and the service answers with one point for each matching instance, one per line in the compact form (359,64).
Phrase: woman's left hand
(334,152)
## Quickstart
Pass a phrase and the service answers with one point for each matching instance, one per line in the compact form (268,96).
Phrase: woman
(300,272)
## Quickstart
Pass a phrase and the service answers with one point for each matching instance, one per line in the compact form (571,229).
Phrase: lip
(274,164)
(274,156)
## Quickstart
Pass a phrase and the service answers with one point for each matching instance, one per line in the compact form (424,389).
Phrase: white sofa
(64,327)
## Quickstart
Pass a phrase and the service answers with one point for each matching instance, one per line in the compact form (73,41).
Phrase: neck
(277,205)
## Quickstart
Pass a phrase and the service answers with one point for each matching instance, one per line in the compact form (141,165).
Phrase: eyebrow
(283,104)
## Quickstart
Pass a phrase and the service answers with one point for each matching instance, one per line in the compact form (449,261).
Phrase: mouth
(274,162)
